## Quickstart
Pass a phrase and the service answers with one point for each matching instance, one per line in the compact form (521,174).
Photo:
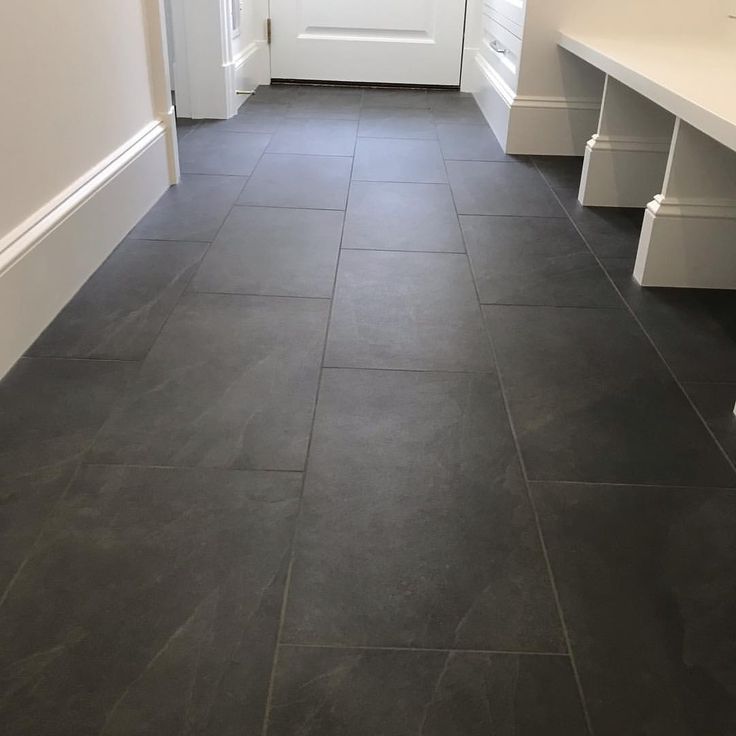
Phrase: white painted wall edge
(45,260)
(251,68)
(554,126)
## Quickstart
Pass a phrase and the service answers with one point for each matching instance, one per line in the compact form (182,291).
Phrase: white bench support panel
(689,233)
(625,160)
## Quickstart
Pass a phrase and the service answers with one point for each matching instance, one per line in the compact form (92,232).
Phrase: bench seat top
(697,83)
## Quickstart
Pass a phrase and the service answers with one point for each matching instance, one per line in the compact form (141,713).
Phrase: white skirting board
(46,259)
(251,67)
(553,126)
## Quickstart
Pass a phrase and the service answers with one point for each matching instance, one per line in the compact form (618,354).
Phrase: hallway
(365,430)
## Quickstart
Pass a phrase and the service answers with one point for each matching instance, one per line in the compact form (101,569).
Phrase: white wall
(87,145)
(75,86)
(251,51)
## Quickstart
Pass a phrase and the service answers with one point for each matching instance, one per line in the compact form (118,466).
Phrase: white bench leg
(625,160)
(689,233)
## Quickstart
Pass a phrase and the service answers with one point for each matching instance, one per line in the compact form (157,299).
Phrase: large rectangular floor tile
(333,692)
(495,188)
(561,172)
(406,310)
(715,402)
(274,251)
(408,98)
(396,122)
(211,150)
(279,94)
(50,411)
(192,210)
(646,582)
(534,260)
(386,159)
(261,118)
(390,216)
(150,605)
(416,528)
(611,232)
(119,312)
(283,180)
(695,329)
(455,107)
(230,382)
(337,103)
(470,143)
(315,137)
(592,401)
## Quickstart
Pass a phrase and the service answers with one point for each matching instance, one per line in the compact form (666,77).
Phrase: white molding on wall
(526,124)
(47,258)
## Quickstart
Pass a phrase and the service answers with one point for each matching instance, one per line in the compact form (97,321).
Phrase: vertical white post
(158,59)
(625,160)
(689,234)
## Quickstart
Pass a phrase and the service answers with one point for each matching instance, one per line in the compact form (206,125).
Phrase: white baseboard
(47,258)
(622,172)
(690,244)
(554,126)
(251,67)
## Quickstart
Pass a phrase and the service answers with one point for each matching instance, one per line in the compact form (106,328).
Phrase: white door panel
(388,41)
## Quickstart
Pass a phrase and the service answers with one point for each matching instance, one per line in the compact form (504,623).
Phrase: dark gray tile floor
(274,471)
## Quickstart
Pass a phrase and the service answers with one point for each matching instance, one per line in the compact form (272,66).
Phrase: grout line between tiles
(540,536)
(649,338)
(292,551)
(449,650)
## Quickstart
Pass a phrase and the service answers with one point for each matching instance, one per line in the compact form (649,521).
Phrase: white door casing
(374,41)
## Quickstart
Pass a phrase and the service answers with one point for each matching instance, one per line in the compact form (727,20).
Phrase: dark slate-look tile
(274,251)
(534,260)
(611,232)
(150,605)
(455,107)
(396,122)
(315,137)
(282,180)
(496,188)
(716,402)
(230,382)
(119,312)
(695,329)
(261,118)
(646,582)
(211,150)
(470,143)
(50,411)
(390,216)
(592,401)
(336,103)
(408,98)
(332,692)
(192,210)
(416,529)
(406,310)
(274,94)
(386,159)
(561,172)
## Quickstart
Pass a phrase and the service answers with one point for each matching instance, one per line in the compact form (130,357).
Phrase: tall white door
(389,41)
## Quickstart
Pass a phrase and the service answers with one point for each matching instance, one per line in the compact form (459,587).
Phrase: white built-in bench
(666,141)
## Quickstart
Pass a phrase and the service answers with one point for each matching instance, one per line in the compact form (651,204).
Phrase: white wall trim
(45,259)
(251,67)
(527,124)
